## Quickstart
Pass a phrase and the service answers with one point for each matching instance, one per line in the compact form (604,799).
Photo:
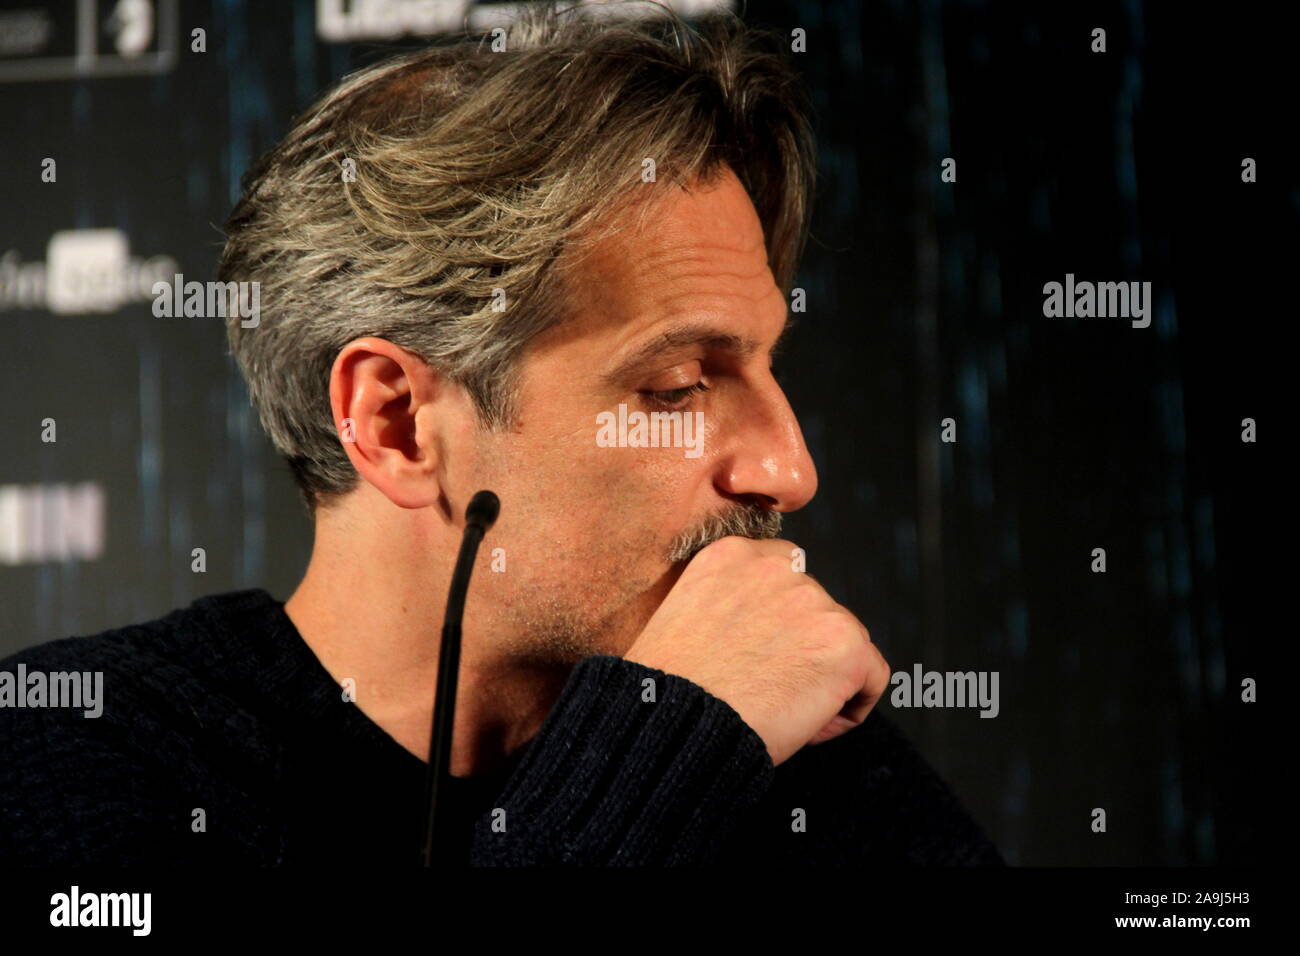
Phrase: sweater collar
(263,655)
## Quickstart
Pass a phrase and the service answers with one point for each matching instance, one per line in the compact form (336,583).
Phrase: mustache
(746,521)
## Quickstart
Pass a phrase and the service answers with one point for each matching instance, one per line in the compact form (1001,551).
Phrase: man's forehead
(697,258)
(711,224)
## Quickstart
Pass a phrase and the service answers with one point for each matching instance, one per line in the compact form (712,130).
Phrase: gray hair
(474,171)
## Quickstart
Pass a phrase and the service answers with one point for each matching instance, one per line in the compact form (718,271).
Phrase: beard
(555,627)
(746,521)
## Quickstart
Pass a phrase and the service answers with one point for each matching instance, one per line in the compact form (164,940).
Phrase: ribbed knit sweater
(224,739)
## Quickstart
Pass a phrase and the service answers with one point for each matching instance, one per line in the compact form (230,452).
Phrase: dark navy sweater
(224,739)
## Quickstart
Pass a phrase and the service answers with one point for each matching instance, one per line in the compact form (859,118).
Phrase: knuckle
(839,635)
(884,670)
(718,553)
(773,564)
(803,598)
(728,548)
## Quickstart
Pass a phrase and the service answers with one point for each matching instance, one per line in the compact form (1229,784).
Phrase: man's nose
(767,462)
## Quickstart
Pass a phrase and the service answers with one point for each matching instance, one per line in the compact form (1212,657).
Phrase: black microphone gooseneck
(438,845)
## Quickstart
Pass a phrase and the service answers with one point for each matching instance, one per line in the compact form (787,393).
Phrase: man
(503,269)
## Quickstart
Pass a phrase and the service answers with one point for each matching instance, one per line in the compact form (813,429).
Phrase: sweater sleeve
(632,767)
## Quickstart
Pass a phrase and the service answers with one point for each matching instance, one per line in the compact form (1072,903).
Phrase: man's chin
(565,639)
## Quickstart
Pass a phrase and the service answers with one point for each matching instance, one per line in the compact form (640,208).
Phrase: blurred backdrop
(130,442)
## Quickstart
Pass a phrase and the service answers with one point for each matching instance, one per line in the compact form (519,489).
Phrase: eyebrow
(683,336)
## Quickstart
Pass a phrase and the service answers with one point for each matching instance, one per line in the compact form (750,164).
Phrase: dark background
(1118,690)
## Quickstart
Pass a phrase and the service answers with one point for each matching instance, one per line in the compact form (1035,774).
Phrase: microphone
(438,844)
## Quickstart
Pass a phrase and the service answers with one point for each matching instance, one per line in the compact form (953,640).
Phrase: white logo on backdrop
(85,271)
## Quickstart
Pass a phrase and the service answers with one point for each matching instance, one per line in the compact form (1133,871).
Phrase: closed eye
(675,397)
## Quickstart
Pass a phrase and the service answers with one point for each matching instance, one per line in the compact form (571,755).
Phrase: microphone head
(483,510)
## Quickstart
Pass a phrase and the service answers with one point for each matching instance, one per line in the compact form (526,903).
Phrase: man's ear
(378,391)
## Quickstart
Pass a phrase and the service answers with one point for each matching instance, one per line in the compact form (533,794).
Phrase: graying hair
(746,521)
(474,171)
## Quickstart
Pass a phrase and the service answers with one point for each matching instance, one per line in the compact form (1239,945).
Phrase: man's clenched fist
(740,622)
